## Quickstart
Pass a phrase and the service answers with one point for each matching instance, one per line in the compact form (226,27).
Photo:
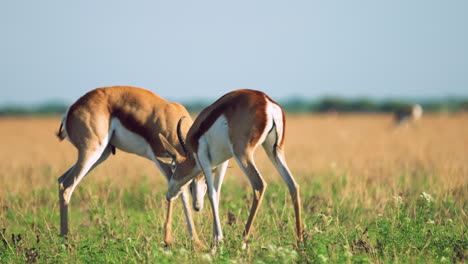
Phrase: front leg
(205,166)
(168,227)
(166,170)
(189,218)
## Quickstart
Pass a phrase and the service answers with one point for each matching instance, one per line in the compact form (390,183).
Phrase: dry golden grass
(358,174)
(366,150)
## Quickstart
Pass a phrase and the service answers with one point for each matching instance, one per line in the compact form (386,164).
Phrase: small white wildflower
(326,219)
(427,197)
(398,198)
(167,252)
(271,247)
(323,258)
(348,252)
(206,258)
(430,221)
(183,251)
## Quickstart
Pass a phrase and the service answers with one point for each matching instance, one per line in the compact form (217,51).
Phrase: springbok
(130,119)
(410,113)
(234,126)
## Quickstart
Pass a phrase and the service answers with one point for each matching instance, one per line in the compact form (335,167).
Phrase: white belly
(218,149)
(129,141)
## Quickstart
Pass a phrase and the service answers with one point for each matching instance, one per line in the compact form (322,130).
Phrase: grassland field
(371,193)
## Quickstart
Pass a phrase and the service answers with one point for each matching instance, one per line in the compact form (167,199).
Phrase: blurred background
(361,56)
(365,179)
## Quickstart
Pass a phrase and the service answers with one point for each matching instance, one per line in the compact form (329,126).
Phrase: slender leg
(219,176)
(277,157)
(189,217)
(205,166)
(104,156)
(168,227)
(63,204)
(87,160)
(247,164)
(218,181)
(166,170)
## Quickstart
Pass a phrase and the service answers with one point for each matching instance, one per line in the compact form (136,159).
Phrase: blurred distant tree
(464,105)
(296,105)
(362,105)
(51,108)
(392,106)
(195,106)
(331,104)
(292,105)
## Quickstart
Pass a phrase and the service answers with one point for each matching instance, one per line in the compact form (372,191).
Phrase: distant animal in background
(408,114)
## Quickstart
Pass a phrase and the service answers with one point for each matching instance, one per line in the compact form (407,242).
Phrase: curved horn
(180,136)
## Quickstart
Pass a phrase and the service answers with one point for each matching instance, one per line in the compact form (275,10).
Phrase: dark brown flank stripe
(134,107)
(229,104)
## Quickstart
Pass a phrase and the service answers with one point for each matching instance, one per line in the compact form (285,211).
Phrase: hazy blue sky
(186,50)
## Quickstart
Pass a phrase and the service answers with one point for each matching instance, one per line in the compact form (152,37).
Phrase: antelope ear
(170,149)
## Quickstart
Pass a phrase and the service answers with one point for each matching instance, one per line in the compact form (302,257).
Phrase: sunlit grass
(370,194)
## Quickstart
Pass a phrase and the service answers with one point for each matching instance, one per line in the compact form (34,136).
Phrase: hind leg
(276,155)
(219,176)
(107,151)
(87,160)
(244,157)
(246,163)
(103,157)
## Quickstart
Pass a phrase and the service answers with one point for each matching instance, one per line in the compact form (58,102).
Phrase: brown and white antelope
(234,126)
(130,119)
(410,113)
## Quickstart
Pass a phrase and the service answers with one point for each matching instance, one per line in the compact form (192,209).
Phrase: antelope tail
(61,133)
